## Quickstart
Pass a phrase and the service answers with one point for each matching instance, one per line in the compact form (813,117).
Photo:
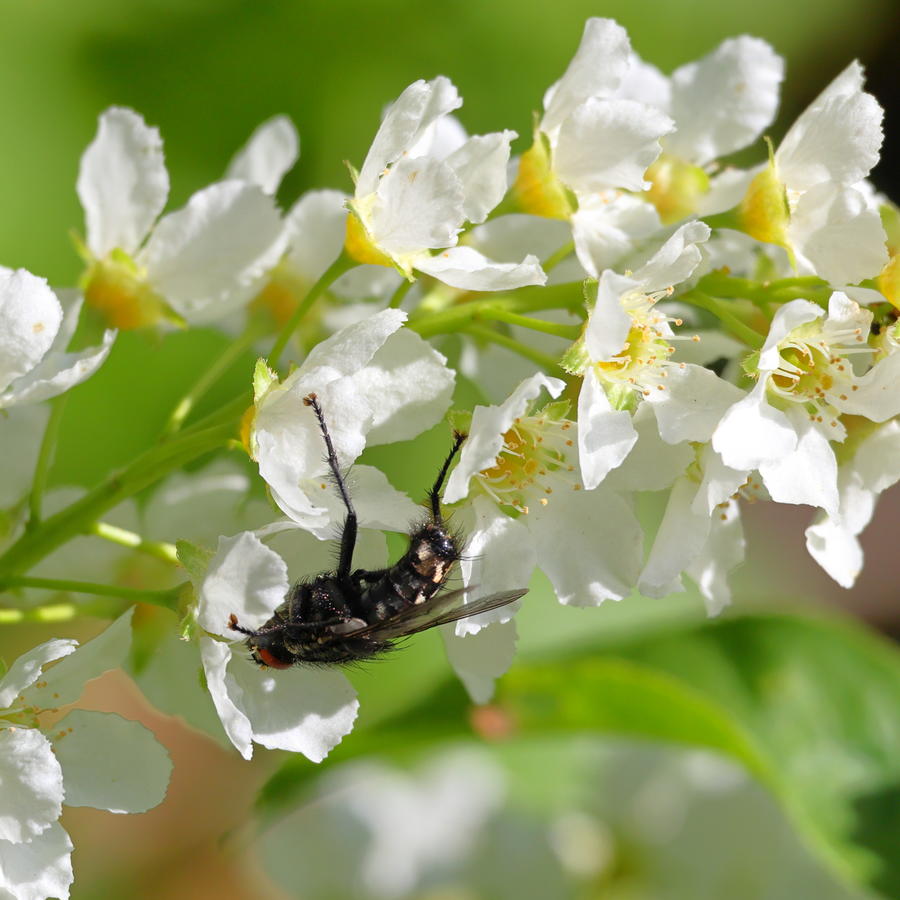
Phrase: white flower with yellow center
(200,263)
(519,469)
(624,358)
(414,195)
(811,199)
(805,382)
(35,332)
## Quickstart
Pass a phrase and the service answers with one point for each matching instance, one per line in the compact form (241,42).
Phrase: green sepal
(194,558)
(263,379)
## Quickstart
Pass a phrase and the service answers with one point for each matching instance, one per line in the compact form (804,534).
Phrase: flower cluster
(634,313)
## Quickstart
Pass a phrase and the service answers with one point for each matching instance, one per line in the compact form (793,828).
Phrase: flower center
(117,289)
(534,460)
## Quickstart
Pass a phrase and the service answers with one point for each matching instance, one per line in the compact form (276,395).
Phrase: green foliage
(809,707)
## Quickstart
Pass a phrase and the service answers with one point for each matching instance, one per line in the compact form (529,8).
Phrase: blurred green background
(206,72)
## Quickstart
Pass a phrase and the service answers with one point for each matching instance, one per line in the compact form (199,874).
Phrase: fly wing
(439,610)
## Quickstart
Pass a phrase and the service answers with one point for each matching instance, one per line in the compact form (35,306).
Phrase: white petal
(693,403)
(832,540)
(64,682)
(480,164)
(26,670)
(378,504)
(418,206)
(836,235)
(21,434)
(499,556)
(304,710)
(609,144)
(609,324)
(510,237)
(244,578)
(724,101)
(211,257)
(596,69)
(646,84)
(57,372)
(604,231)
(676,260)
(122,182)
(589,544)
(878,458)
(489,425)
(110,763)
(316,226)
(403,125)
(877,396)
(409,388)
(807,474)
(480,659)
(726,190)
(724,551)
(38,869)
(837,138)
(441,138)
(226,695)
(752,432)
(788,317)
(351,348)
(30,316)
(605,435)
(268,155)
(653,464)
(681,536)
(719,482)
(32,784)
(469,270)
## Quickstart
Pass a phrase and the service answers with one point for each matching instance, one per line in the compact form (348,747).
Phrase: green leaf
(811,708)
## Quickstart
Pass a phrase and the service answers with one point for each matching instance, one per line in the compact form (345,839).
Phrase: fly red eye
(269,660)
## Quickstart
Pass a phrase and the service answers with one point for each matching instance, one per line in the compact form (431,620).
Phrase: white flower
(625,359)
(805,381)
(811,198)
(591,147)
(517,460)
(303,709)
(377,383)
(832,539)
(700,534)
(34,335)
(203,261)
(719,104)
(413,197)
(85,759)
(268,155)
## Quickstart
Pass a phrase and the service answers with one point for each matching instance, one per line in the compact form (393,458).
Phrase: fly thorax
(538,458)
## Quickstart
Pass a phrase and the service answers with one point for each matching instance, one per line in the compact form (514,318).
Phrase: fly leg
(348,532)
(434,495)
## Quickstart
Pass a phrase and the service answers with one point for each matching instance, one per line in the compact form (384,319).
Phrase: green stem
(45,458)
(544,360)
(729,320)
(167,598)
(554,259)
(113,534)
(399,294)
(531,299)
(809,287)
(569,332)
(77,518)
(328,277)
(219,367)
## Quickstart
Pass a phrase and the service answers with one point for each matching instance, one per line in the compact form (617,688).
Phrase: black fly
(347,616)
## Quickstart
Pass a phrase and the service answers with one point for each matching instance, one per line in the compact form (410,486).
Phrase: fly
(350,615)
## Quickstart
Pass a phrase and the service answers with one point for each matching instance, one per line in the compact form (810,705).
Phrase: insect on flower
(348,616)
